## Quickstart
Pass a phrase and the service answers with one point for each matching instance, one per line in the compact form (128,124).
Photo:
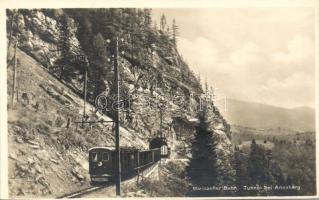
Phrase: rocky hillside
(42,128)
(42,146)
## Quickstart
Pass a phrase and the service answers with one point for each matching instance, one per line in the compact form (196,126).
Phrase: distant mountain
(263,116)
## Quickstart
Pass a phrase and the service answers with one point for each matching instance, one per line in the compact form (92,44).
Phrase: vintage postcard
(159,99)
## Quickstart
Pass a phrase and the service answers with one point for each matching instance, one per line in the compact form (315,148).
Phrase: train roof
(112,148)
(106,148)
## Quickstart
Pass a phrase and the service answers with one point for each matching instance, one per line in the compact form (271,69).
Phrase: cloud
(284,78)
(200,52)
(262,55)
(297,87)
(248,54)
(252,73)
(300,52)
(294,81)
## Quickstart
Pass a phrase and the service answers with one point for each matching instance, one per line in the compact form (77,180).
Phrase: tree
(175,32)
(100,66)
(279,177)
(259,167)
(163,23)
(212,94)
(10,26)
(204,169)
(14,26)
(168,32)
(256,163)
(199,78)
(241,172)
(64,63)
(155,27)
(110,23)
(85,34)
(291,181)
(147,17)
(140,18)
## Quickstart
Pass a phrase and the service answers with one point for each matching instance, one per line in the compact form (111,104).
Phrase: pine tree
(140,18)
(291,181)
(259,164)
(175,32)
(147,17)
(241,173)
(85,34)
(279,177)
(100,66)
(163,23)
(155,27)
(168,32)
(206,87)
(199,78)
(203,167)
(254,165)
(109,23)
(12,26)
(65,68)
(212,95)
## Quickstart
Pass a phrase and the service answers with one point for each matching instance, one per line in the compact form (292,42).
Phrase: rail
(145,173)
(81,192)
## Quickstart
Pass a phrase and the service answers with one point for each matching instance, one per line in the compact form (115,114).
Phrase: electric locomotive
(102,162)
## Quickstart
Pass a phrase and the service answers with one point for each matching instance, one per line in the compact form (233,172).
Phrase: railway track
(82,192)
(92,189)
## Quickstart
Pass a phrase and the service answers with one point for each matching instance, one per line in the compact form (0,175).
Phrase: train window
(105,156)
(94,157)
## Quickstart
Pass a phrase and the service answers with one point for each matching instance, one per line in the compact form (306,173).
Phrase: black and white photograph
(155,101)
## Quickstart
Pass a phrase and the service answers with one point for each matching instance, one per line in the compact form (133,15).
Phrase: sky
(264,55)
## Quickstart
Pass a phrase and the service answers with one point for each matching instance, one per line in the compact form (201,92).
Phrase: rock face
(164,89)
(149,87)
(39,35)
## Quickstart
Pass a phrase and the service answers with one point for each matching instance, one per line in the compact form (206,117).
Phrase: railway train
(102,162)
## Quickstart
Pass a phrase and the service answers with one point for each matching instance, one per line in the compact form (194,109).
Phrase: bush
(173,184)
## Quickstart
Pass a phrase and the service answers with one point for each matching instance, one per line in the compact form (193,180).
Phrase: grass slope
(47,158)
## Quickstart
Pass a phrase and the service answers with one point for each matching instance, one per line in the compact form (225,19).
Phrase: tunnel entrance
(160,142)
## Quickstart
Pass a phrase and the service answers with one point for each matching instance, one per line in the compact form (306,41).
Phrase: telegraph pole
(84,89)
(14,74)
(161,122)
(117,121)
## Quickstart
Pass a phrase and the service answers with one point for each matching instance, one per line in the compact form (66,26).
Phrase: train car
(165,151)
(129,162)
(102,162)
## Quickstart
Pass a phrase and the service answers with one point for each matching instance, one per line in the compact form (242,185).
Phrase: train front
(100,165)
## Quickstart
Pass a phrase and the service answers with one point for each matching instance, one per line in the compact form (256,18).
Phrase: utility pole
(84,89)
(117,121)
(14,74)
(161,122)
